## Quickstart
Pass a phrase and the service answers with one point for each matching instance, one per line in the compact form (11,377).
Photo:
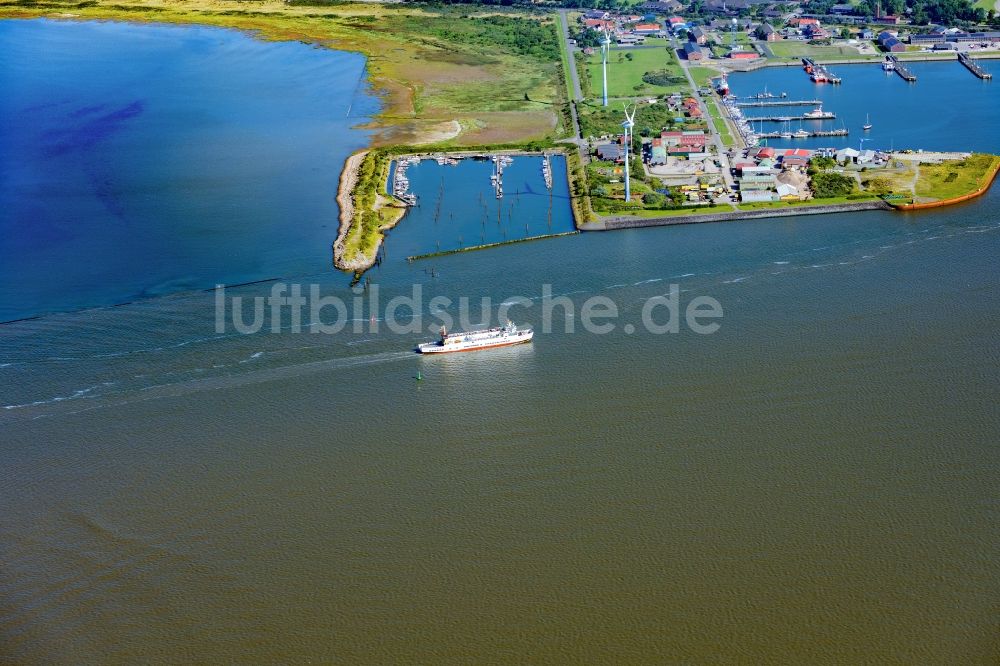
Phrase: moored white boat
(501,336)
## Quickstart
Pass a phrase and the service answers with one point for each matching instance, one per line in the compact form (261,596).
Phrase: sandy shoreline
(345,201)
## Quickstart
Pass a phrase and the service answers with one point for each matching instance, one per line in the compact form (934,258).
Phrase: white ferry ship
(501,336)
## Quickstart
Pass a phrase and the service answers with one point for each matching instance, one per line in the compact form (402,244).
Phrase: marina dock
(801,134)
(782,119)
(784,102)
(973,66)
(902,70)
(819,73)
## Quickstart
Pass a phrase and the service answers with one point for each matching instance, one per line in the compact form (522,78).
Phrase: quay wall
(628,222)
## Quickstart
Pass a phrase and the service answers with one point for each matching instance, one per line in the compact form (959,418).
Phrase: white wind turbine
(605,54)
(628,125)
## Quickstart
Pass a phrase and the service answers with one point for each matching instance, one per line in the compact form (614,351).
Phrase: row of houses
(627,29)
(798,27)
(952,36)
(677,144)
(889,43)
(690,143)
(694,49)
(769,174)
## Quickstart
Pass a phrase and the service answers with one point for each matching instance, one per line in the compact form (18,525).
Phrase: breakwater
(627,222)
(486,246)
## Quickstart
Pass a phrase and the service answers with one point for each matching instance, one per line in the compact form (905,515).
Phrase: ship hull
(507,341)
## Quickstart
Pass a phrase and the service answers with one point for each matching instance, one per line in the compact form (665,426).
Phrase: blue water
(817,482)
(143,160)
(947,108)
(457,206)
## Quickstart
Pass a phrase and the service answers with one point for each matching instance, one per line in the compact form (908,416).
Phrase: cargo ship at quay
(501,336)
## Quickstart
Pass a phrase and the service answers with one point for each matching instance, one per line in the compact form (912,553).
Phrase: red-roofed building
(691,107)
(816,32)
(766,151)
(599,24)
(802,22)
(684,143)
(646,28)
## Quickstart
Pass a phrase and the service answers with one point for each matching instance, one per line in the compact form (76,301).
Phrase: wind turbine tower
(628,125)
(605,54)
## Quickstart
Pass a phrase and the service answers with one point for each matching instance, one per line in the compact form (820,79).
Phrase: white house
(756,196)
(845,155)
(866,157)
(786,190)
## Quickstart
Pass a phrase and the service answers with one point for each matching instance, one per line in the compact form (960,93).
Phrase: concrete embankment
(629,222)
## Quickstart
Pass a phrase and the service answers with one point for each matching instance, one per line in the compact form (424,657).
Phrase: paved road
(577,92)
(701,103)
(720,149)
(574,78)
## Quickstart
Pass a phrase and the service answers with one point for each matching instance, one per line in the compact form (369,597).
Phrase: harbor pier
(902,69)
(827,115)
(784,102)
(973,66)
(800,134)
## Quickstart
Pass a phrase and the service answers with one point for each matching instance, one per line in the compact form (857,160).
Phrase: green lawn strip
(854,198)
(796,49)
(673,212)
(721,127)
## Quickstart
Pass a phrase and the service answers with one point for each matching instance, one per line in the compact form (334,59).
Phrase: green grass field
(953,179)
(795,49)
(625,76)
(701,75)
